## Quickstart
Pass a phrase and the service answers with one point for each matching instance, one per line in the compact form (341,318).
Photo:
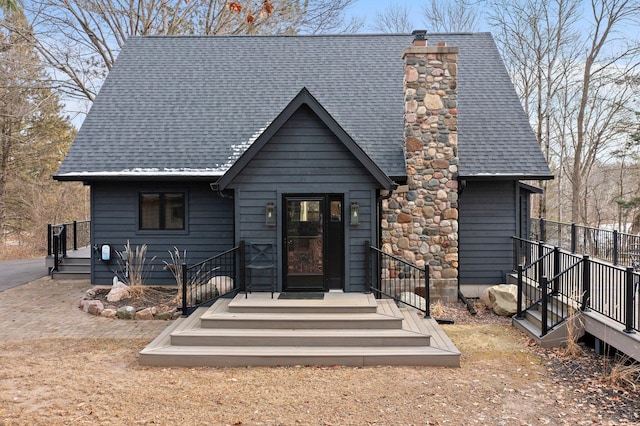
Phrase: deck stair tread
(214,336)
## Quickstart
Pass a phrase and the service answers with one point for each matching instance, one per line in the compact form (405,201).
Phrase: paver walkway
(47,309)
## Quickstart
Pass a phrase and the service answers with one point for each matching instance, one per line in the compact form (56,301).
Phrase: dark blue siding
(488,220)
(209,226)
(305,157)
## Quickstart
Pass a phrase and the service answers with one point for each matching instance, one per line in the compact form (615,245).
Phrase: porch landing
(351,329)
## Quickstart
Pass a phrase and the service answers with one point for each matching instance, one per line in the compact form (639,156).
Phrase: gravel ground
(504,380)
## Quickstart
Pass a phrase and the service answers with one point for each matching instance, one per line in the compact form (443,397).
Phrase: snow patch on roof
(218,170)
(239,149)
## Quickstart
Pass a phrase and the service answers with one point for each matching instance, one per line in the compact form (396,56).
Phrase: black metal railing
(77,235)
(59,247)
(393,277)
(559,281)
(205,282)
(612,246)
(67,236)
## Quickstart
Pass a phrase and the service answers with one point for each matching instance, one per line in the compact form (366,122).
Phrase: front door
(314,242)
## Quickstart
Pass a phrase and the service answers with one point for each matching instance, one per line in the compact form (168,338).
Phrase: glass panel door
(304,238)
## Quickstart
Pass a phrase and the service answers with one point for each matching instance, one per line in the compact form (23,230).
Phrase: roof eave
(119,177)
(488,177)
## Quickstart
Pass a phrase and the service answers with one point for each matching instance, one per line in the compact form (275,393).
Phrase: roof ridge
(337,35)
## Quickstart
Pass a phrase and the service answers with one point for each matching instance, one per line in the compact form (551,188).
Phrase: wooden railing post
(573,238)
(543,230)
(586,283)
(628,303)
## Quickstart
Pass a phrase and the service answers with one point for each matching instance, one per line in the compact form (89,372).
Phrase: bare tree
(80,39)
(537,40)
(395,18)
(608,75)
(452,16)
(575,84)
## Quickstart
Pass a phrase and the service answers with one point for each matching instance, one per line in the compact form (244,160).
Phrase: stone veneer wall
(421,223)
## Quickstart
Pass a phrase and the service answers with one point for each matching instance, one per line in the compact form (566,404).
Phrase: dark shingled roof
(190,106)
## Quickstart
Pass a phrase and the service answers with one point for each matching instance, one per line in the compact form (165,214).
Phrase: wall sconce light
(354,215)
(270,215)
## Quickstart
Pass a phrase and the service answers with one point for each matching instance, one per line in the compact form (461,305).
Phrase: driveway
(14,273)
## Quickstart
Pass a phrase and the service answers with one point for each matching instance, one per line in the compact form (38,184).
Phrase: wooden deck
(352,329)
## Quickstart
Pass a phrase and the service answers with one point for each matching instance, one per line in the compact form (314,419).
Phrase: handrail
(78,232)
(397,279)
(59,247)
(618,248)
(205,282)
(589,284)
(58,236)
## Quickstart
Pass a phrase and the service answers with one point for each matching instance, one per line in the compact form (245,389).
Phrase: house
(315,144)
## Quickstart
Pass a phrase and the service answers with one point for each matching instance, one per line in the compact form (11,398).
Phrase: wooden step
(331,303)
(216,337)
(234,356)
(298,337)
(387,316)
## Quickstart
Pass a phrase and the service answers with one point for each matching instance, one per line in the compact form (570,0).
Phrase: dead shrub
(622,372)
(574,324)
(437,310)
(136,270)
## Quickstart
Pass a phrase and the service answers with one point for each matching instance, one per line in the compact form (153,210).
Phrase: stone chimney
(420,222)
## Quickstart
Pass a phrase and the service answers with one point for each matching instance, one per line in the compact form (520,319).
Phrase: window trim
(161,212)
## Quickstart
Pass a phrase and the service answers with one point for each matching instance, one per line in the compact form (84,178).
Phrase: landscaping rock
(119,291)
(108,313)
(145,314)
(94,307)
(164,316)
(503,299)
(126,312)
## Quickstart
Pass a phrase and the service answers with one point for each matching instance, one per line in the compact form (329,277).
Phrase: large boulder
(414,299)
(119,291)
(146,314)
(502,299)
(223,284)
